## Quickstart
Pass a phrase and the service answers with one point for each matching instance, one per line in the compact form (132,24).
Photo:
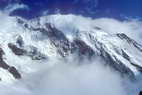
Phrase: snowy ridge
(119,46)
(29,45)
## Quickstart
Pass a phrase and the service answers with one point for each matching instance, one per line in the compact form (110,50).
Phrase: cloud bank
(69,79)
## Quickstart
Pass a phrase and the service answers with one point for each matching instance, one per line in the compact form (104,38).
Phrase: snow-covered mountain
(25,45)
(29,49)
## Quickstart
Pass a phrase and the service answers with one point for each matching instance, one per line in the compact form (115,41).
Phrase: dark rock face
(20,41)
(54,33)
(59,40)
(16,50)
(83,48)
(140,93)
(5,66)
(14,72)
(126,56)
(129,40)
(63,45)
(33,53)
(2,63)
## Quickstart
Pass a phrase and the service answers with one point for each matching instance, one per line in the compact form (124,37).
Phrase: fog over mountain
(68,54)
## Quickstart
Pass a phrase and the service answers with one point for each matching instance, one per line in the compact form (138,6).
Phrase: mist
(72,78)
(91,78)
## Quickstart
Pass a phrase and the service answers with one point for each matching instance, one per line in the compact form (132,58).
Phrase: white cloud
(12,7)
(70,79)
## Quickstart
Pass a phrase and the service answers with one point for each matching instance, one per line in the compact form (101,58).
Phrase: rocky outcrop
(57,38)
(63,45)
(129,40)
(16,50)
(82,48)
(12,70)
(32,52)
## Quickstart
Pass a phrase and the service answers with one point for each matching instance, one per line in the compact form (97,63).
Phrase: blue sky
(92,8)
